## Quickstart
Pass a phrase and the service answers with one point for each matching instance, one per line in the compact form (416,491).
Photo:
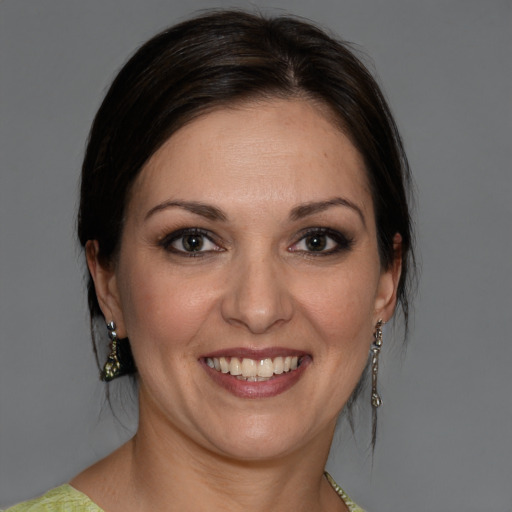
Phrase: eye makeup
(321,242)
(311,242)
(190,242)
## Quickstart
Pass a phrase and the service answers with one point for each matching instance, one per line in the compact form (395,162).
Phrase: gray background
(445,439)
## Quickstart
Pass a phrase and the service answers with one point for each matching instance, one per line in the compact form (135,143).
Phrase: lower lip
(263,389)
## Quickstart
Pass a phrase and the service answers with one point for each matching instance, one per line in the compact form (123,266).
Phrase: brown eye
(322,242)
(192,243)
(316,242)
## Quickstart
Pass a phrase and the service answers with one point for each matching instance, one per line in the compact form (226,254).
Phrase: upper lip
(255,353)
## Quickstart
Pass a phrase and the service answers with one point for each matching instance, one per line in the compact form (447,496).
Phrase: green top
(61,499)
(67,499)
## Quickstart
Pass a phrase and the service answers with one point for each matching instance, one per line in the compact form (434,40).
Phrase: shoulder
(61,499)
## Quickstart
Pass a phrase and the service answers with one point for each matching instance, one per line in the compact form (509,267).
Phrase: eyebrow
(204,210)
(297,213)
(304,210)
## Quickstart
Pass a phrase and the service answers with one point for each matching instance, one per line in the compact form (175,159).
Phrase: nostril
(257,297)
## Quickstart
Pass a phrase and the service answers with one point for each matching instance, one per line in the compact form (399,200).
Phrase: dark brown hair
(215,60)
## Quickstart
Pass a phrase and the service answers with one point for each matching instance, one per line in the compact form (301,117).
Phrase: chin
(260,438)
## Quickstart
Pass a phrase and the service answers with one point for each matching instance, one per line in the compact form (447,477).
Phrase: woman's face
(250,245)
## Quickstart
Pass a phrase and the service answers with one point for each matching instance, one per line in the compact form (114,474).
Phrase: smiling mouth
(254,370)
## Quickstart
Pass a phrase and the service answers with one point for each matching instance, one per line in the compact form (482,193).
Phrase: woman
(246,229)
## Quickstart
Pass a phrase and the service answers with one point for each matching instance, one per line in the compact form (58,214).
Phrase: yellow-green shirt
(67,499)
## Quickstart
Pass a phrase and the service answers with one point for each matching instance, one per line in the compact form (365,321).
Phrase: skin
(255,284)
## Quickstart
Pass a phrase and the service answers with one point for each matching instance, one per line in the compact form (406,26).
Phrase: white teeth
(265,368)
(252,379)
(278,365)
(235,368)
(249,368)
(224,365)
(254,370)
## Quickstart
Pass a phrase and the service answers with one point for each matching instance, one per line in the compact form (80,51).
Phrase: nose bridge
(257,296)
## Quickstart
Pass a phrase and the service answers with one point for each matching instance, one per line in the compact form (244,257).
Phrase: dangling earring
(120,359)
(376,346)
(112,368)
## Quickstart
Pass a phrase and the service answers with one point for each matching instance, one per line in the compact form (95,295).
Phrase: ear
(385,300)
(105,284)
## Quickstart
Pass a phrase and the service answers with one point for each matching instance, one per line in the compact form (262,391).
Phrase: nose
(257,297)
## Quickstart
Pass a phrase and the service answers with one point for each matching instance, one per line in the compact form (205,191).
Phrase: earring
(112,368)
(376,346)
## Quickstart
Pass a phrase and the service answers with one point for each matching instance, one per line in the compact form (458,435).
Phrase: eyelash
(175,236)
(341,241)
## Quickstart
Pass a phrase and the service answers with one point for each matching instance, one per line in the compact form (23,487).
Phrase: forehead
(257,153)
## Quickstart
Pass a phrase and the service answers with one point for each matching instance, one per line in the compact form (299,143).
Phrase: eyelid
(342,240)
(167,241)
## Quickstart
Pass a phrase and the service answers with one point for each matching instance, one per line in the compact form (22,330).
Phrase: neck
(168,467)
(163,469)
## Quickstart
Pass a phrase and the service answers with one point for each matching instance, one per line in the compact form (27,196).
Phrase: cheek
(162,310)
(340,310)
(341,305)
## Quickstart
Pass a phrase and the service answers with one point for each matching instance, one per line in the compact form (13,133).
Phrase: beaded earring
(112,368)
(375,350)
